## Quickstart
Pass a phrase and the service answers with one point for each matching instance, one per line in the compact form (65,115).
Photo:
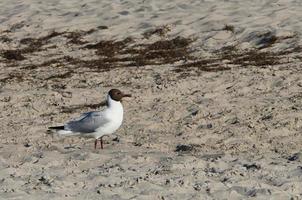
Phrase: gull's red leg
(95,143)
(102,142)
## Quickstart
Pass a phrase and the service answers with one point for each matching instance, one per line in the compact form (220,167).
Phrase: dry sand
(216,107)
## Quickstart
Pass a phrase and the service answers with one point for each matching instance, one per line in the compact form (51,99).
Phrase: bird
(97,124)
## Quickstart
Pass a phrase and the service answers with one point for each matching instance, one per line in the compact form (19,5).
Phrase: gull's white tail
(67,133)
(60,131)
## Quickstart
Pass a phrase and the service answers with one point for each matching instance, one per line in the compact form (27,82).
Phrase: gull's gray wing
(87,123)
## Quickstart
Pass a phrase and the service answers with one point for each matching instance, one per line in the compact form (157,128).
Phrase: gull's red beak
(126,95)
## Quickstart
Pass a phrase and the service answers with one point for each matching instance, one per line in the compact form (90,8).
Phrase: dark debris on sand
(130,53)
(13,55)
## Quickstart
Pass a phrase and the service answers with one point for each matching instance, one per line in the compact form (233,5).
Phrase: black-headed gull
(97,123)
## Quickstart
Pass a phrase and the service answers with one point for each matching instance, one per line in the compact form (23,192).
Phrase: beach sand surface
(216,102)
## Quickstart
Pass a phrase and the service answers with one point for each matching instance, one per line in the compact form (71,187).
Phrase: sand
(216,105)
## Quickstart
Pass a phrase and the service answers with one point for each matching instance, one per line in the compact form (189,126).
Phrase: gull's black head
(117,95)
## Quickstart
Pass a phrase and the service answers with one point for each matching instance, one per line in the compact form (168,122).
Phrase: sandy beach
(216,99)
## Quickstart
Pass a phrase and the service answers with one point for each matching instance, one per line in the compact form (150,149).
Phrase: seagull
(97,124)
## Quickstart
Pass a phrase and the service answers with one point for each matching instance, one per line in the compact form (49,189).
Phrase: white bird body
(114,113)
(97,123)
